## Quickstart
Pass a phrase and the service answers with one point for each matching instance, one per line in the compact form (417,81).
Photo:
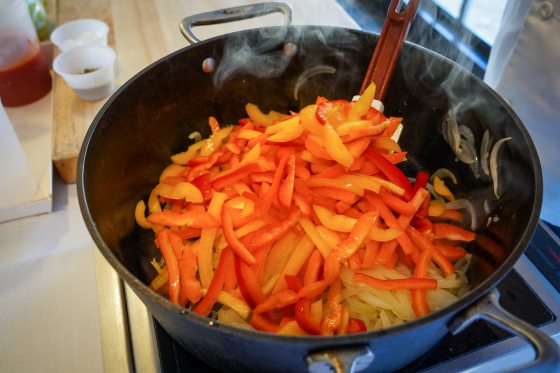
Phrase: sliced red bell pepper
(356,325)
(216,285)
(248,283)
(421,180)
(452,232)
(273,232)
(203,183)
(286,189)
(334,298)
(231,176)
(304,319)
(192,219)
(396,284)
(391,172)
(279,299)
(293,283)
(162,242)
(313,269)
(236,245)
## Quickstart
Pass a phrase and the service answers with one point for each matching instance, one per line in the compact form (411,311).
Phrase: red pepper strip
(286,189)
(190,286)
(232,175)
(425,244)
(452,232)
(358,235)
(236,245)
(216,285)
(334,297)
(375,115)
(259,322)
(387,250)
(405,259)
(419,300)
(304,319)
(162,242)
(395,158)
(192,219)
(313,290)
(453,253)
(273,232)
(174,180)
(317,150)
(421,180)
(199,169)
(370,256)
(279,299)
(396,204)
(293,283)
(355,261)
(202,182)
(322,109)
(198,161)
(391,172)
(393,125)
(272,192)
(230,281)
(392,261)
(336,194)
(248,283)
(396,284)
(314,262)
(177,244)
(356,325)
(302,203)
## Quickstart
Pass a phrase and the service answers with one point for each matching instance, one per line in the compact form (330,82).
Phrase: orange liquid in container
(24,73)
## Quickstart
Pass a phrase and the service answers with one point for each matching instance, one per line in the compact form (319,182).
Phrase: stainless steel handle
(547,352)
(346,359)
(231,15)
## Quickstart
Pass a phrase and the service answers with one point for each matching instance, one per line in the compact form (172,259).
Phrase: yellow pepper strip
(156,265)
(276,260)
(347,128)
(262,119)
(206,242)
(184,157)
(298,258)
(287,124)
(383,235)
(335,147)
(139,214)
(335,116)
(287,135)
(312,233)
(336,222)
(328,235)
(248,134)
(362,181)
(160,280)
(252,155)
(361,107)
(183,190)
(171,170)
(309,121)
(215,140)
(340,182)
(386,143)
(153,201)
(442,189)
(236,304)
(436,208)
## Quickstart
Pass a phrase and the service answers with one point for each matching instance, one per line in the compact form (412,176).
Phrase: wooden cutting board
(142,32)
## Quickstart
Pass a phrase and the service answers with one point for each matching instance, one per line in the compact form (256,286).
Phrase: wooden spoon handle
(394,31)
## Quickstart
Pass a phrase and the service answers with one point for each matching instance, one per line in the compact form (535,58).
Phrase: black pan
(149,117)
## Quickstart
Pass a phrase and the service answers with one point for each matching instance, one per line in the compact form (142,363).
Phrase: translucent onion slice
(494,163)
(465,204)
(444,173)
(312,71)
(485,152)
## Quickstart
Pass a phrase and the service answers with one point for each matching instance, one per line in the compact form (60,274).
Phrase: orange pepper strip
(425,244)
(372,248)
(396,284)
(396,204)
(286,189)
(188,266)
(248,283)
(192,219)
(272,192)
(334,298)
(332,171)
(304,318)
(453,253)
(419,300)
(404,220)
(279,299)
(452,232)
(386,251)
(450,214)
(313,290)
(205,306)
(259,322)
(162,241)
(232,175)
(236,245)
(273,232)
(313,267)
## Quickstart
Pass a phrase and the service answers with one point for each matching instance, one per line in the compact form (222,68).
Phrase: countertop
(50,319)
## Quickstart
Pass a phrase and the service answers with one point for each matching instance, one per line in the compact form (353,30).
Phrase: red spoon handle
(394,31)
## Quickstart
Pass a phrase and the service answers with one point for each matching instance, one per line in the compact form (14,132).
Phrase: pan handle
(547,352)
(233,14)
(340,360)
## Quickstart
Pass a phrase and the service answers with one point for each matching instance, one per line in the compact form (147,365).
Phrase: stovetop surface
(517,296)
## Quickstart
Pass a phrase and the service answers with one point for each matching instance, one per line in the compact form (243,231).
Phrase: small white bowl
(89,71)
(80,33)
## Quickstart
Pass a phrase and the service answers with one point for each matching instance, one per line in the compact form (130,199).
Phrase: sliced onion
(312,71)
(465,204)
(432,191)
(494,163)
(196,136)
(444,173)
(486,207)
(485,152)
